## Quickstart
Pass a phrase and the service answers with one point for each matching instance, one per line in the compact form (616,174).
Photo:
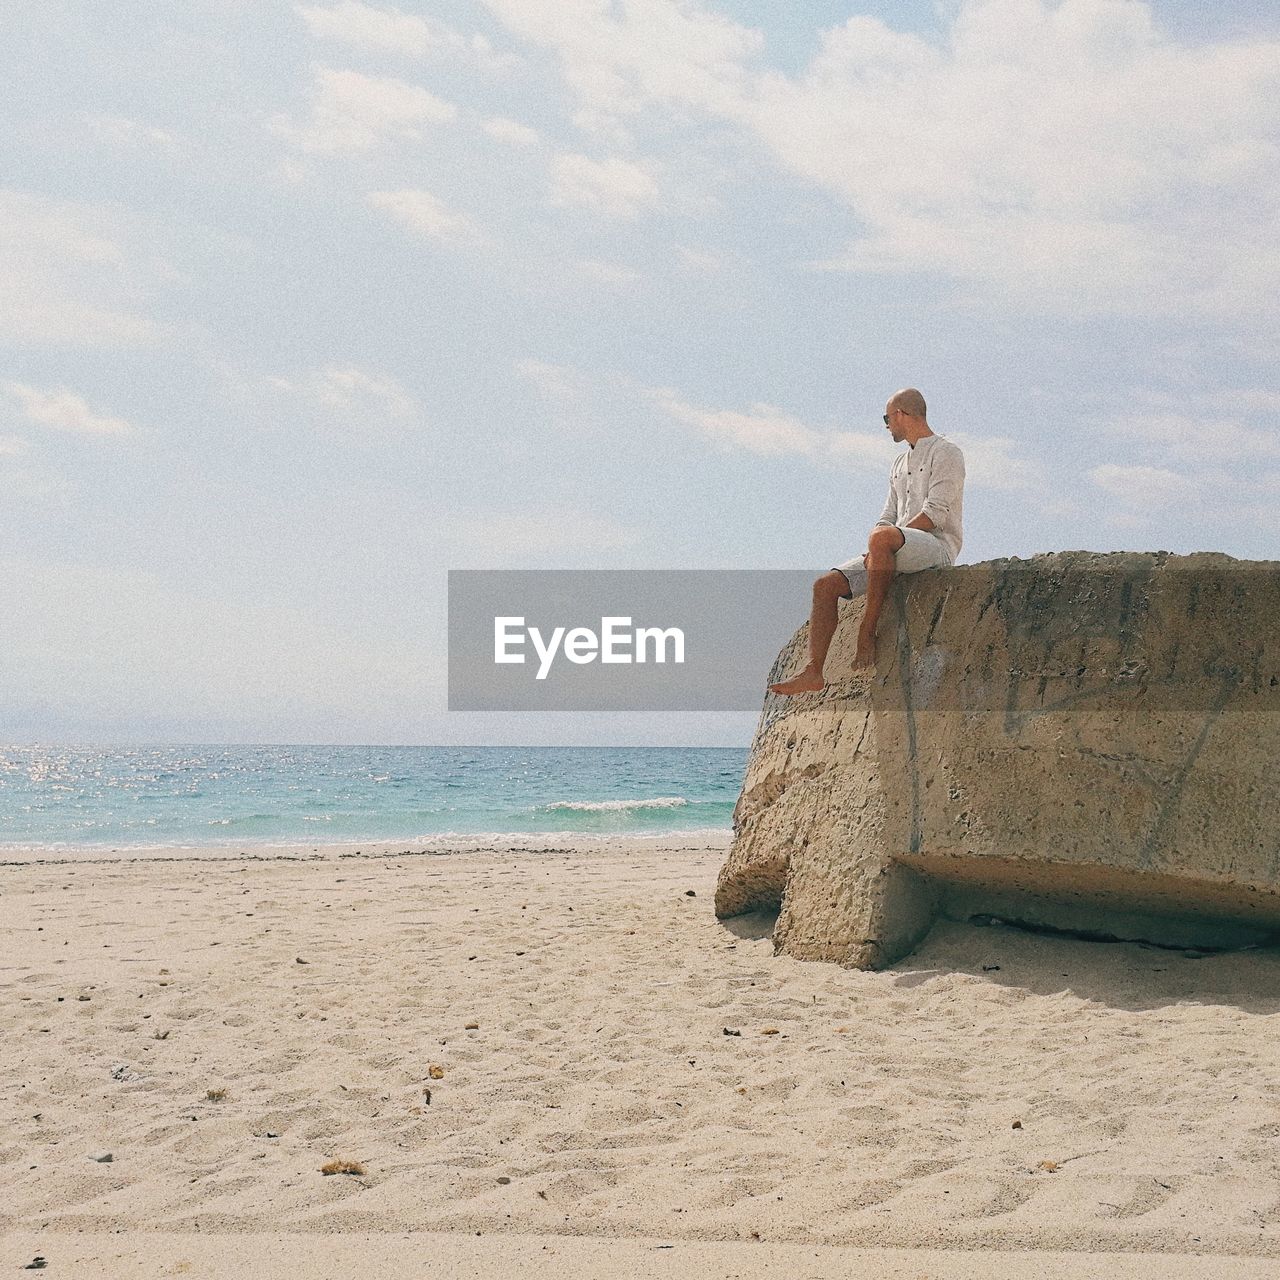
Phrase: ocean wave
(611,806)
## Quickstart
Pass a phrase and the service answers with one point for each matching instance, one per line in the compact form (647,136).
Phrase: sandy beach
(542,1057)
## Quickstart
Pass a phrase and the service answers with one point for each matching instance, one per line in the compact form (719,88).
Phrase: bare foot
(806,682)
(865,658)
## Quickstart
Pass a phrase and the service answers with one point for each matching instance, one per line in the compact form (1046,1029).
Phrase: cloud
(65,411)
(1227,423)
(1193,451)
(609,273)
(616,187)
(765,430)
(1256,400)
(70,277)
(11,446)
(511,131)
(1066,153)
(1197,440)
(701,261)
(1143,486)
(351,392)
(426,215)
(768,431)
(556,381)
(388,31)
(120,131)
(1063,156)
(354,112)
(617,59)
(363,26)
(992,462)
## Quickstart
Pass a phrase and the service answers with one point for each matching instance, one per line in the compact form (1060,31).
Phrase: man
(919,528)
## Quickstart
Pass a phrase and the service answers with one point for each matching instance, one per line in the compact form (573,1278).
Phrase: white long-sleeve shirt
(929,478)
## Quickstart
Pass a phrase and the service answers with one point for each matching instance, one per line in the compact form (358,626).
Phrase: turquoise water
(120,797)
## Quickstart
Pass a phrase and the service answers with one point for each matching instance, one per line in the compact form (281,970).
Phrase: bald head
(910,401)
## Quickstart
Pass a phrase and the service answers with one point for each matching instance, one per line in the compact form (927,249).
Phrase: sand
(225,1027)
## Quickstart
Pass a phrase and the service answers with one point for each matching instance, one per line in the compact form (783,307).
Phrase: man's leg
(882,546)
(822,626)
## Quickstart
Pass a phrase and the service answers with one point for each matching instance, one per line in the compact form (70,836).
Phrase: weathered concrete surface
(1082,741)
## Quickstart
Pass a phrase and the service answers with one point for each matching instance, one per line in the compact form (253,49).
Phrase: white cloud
(63,410)
(700,260)
(1203,430)
(377,30)
(351,392)
(858,446)
(1064,155)
(1206,438)
(609,273)
(1066,152)
(1196,451)
(511,131)
(556,381)
(494,62)
(1142,486)
(1256,400)
(426,215)
(992,462)
(11,446)
(354,112)
(365,27)
(1199,432)
(618,58)
(765,430)
(612,186)
(120,131)
(68,276)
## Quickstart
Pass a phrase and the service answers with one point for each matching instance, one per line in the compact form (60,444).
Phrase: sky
(303,305)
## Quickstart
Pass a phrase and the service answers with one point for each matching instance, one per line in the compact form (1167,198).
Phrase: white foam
(606,806)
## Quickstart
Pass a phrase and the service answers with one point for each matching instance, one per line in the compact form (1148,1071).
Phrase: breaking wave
(607,806)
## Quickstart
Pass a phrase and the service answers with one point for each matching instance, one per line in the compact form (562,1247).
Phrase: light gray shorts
(920,551)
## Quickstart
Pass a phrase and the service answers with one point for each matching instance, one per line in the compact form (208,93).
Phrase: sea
(139,797)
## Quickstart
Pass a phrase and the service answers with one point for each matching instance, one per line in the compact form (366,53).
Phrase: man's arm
(889,515)
(946,484)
